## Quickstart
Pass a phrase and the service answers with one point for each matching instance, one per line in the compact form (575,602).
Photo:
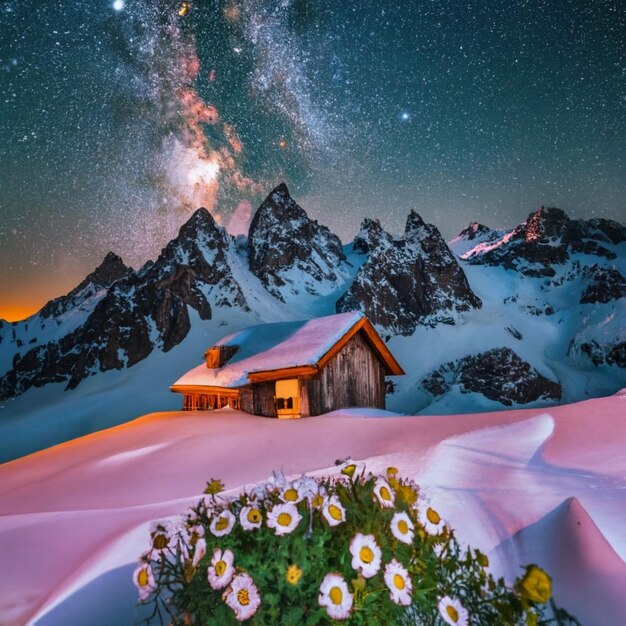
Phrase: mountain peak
(281,190)
(282,238)
(110,270)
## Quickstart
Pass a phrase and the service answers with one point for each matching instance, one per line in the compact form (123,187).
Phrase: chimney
(218,356)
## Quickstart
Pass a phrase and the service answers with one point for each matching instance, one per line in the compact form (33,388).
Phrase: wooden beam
(285,372)
(205,390)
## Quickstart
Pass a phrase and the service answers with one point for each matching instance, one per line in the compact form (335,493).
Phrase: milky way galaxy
(119,117)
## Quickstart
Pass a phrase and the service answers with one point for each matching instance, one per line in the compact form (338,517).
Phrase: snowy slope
(551,327)
(74,518)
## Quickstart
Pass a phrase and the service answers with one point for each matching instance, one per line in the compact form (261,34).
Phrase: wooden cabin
(293,369)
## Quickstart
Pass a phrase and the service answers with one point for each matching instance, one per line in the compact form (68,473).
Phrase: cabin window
(287,398)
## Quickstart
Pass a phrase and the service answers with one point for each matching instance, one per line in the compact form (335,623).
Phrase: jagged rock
(289,252)
(547,238)
(139,311)
(108,272)
(605,284)
(474,231)
(498,374)
(617,355)
(406,282)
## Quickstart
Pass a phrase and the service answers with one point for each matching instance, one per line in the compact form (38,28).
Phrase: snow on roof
(268,347)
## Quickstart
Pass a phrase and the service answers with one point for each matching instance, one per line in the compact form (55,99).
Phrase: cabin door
(287,398)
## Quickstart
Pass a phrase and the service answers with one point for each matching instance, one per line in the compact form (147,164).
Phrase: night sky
(119,118)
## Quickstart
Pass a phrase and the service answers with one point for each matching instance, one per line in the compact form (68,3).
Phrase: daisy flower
(144,580)
(333,511)
(402,528)
(221,570)
(452,611)
(398,582)
(431,521)
(335,597)
(243,597)
(366,554)
(283,518)
(199,552)
(384,493)
(159,538)
(222,524)
(250,518)
(291,494)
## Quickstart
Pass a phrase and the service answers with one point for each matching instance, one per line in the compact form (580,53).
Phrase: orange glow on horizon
(15,312)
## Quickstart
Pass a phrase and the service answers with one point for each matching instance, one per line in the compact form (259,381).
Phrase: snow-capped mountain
(290,253)
(531,316)
(408,281)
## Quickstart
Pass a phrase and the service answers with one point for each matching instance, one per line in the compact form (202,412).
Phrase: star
(405,116)
(118,5)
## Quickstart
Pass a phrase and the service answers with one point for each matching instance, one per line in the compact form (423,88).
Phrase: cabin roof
(273,351)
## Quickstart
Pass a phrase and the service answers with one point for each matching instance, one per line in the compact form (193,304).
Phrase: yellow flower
(536,585)
(214,486)
(349,470)
(294,573)
(391,477)
(408,494)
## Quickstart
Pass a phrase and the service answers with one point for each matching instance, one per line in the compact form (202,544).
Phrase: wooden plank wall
(246,399)
(264,399)
(354,377)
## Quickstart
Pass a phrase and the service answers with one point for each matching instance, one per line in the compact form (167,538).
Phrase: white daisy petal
(243,597)
(431,520)
(333,511)
(144,580)
(283,518)
(222,523)
(366,554)
(398,582)
(199,552)
(384,493)
(221,570)
(250,517)
(402,528)
(335,597)
(453,612)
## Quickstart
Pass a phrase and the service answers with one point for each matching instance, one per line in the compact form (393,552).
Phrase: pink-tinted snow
(268,347)
(72,515)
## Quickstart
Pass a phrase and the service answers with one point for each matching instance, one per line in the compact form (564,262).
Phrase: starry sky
(119,117)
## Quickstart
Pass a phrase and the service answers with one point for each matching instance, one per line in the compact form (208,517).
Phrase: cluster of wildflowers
(355,548)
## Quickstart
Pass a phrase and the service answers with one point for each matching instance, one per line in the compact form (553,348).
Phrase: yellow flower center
(398,581)
(243,597)
(294,574)
(336,595)
(143,578)
(221,524)
(366,554)
(453,613)
(384,493)
(403,527)
(317,501)
(291,495)
(284,519)
(335,512)
(220,568)
(159,542)
(254,516)
(432,516)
